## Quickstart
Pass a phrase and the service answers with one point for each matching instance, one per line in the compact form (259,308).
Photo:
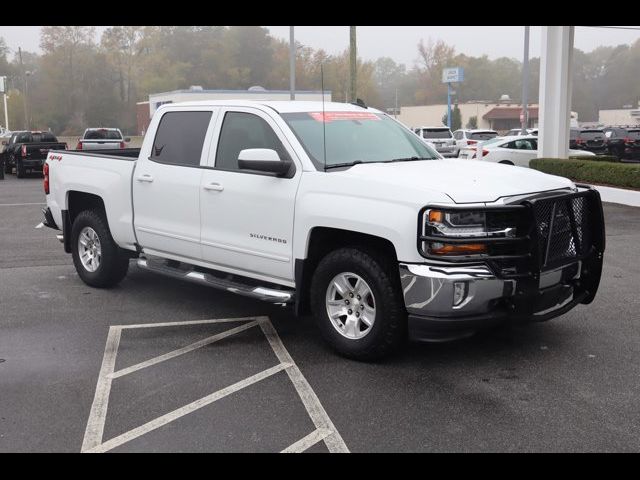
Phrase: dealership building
(145,110)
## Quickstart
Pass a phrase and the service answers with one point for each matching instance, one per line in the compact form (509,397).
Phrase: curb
(619,195)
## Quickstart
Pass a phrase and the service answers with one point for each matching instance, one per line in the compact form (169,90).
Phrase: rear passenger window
(180,138)
(241,131)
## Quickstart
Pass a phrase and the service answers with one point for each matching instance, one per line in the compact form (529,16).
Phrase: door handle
(145,178)
(216,187)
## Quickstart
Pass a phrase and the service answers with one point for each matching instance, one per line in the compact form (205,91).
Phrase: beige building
(623,116)
(497,116)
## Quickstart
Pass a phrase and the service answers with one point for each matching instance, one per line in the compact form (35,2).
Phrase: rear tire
(111,262)
(7,167)
(388,325)
(507,162)
(20,170)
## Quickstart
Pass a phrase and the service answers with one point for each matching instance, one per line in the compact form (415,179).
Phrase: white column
(556,61)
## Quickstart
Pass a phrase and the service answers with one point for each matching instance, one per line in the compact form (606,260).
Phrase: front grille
(551,230)
(564,229)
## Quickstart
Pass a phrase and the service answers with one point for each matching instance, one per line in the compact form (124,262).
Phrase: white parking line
(95,424)
(183,350)
(325,430)
(182,411)
(308,441)
(318,415)
(19,204)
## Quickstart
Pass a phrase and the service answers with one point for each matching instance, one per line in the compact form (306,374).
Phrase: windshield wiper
(408,159)
(345,164)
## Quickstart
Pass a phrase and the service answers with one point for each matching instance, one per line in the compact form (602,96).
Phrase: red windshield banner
(334,116)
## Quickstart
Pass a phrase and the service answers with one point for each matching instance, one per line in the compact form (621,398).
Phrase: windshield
(592,134)
(355,137)
(483,135)
(102,135)
(435,133)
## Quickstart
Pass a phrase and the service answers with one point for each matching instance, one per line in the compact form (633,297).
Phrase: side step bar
(271,295)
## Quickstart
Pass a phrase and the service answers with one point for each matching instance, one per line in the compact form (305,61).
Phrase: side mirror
(127,139)
(263,160)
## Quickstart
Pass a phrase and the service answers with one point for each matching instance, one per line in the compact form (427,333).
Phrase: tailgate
(100,144)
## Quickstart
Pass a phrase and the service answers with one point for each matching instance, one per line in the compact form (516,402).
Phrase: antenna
(324,120)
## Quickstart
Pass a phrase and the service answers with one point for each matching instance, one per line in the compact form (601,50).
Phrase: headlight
(444,232)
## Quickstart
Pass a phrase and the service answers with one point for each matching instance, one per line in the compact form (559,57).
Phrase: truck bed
(130,154)
(107,176)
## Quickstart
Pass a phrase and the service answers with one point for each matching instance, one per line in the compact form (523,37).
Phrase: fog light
(459,292)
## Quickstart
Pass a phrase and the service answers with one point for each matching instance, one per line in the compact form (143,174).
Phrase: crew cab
(332,208)
(102,139)
(27,150)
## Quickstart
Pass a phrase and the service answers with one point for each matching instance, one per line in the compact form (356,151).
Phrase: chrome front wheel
(351,305)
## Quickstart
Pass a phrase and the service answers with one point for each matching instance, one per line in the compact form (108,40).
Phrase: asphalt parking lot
(571,384)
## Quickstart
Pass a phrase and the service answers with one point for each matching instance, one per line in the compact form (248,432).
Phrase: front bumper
(435,314)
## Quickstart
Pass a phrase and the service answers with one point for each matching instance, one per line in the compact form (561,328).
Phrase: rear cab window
(482,135)
(436,133)
(180,137)
(102,134)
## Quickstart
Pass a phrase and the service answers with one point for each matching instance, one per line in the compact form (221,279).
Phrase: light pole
(27,110)
(525,83)
(292,64)
(353,64)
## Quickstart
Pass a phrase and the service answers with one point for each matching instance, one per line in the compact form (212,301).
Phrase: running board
(271,295)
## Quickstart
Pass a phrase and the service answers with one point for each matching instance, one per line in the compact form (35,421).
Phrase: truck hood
(464,181)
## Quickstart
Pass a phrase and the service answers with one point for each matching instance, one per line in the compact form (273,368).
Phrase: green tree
(473,122)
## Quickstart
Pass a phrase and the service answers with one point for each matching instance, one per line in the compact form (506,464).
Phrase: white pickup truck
(336,208)
(102,139)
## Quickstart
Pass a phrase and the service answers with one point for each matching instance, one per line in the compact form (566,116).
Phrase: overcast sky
(399,43)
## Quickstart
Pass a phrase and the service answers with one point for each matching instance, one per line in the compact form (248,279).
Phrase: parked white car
(466,138)
(440,137)
(515,150)
(335,209)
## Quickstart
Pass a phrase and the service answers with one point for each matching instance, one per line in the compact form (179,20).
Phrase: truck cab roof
(280,106)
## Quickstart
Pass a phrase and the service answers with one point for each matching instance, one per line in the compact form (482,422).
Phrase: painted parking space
(94,441)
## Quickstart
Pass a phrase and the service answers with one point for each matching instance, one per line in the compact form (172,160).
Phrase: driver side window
(241,131)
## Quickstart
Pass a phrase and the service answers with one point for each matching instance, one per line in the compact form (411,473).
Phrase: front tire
(98,260)
(351,281)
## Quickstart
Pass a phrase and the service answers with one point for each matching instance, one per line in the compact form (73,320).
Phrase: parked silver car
(440,137)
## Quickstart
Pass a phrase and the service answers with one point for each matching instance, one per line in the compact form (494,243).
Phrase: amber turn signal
(460,249)
(435,216)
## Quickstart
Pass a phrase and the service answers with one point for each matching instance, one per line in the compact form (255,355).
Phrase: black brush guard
(556,231)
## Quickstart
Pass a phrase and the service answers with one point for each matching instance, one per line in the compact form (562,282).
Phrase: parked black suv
(590,139)
(623,142)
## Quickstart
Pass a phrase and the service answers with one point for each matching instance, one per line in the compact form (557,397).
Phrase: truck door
(166,184)
(247,217)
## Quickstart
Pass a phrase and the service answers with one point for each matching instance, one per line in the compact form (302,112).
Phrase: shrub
(609,173)
(596,158)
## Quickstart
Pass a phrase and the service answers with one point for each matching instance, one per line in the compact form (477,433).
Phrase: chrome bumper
(429,290)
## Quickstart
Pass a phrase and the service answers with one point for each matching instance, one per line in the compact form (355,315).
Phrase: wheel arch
(321,241)
(78,201)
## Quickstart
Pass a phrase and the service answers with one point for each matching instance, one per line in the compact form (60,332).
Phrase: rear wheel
(7,166)
(358,305)
(97,258)
(507,162)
